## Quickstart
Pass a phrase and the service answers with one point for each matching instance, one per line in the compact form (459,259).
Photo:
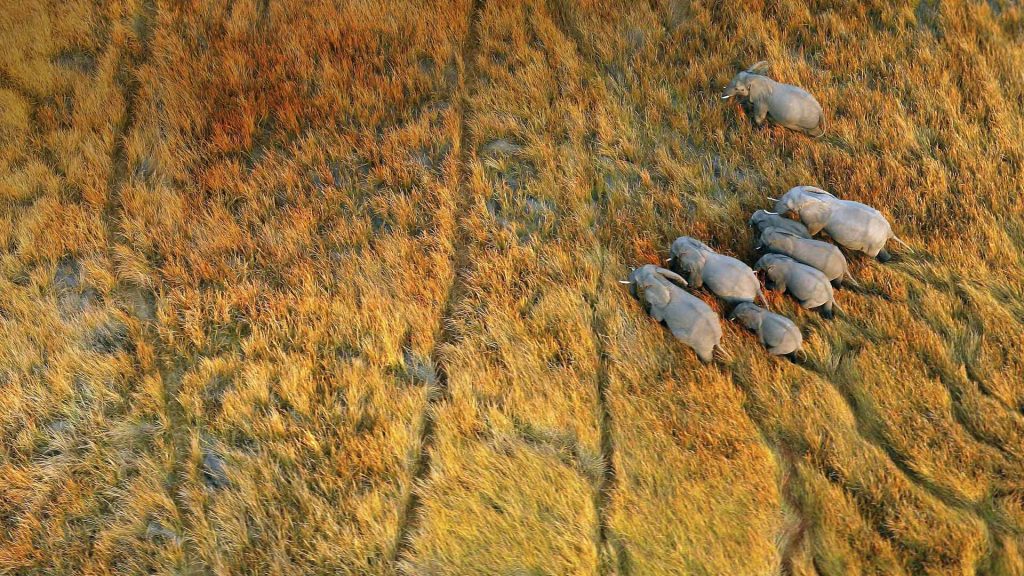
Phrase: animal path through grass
(170,371)
(611,550)
(459,261)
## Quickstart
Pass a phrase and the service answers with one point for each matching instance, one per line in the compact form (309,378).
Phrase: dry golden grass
(330,287)
(516,462)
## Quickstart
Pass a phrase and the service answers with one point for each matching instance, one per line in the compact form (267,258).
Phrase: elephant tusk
(903,243)
(772,213)
(726,97)
(624,282)
(772,199)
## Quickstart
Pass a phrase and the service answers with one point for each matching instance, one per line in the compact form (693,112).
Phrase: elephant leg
(837,283)
(748,106)
(826,311)
(706,356)
(883,256)
(792,357)
(760,113)
(696,281)
(814,227)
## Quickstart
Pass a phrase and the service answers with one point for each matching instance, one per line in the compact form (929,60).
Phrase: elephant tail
(722,354)
(849,278)
(836,306)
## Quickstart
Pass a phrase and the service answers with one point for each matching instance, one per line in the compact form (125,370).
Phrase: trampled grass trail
(459,265)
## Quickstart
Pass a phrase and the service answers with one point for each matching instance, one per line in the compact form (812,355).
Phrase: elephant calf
(763,219)
(689,319)
(853,225)
(825,257)
(727,277)
(777,333)
(808,285)
(785,104)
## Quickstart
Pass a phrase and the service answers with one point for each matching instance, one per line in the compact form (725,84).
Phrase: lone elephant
(784,104)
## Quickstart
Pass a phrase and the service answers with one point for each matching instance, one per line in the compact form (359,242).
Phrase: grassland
(330,287)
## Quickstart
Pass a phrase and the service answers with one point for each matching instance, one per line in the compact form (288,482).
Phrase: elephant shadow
(867,290)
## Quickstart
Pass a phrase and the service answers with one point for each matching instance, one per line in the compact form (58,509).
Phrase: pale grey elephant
(777,333)
(690,319)
(827,258)
(852,225)
(763,219)
(808,285)
(725,276)
(784,104)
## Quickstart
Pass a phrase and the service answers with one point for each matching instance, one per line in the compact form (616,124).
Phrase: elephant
(726,277)
(786,105)
(762,219)
(827,258)
(808,285)
(690,319)
(852,225)
(777,333)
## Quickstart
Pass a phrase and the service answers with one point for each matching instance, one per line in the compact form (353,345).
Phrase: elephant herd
(794,262)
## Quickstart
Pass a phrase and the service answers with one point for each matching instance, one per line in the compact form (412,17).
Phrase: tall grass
(331,287)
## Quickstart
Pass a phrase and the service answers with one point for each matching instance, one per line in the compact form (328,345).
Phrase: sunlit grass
(331,287)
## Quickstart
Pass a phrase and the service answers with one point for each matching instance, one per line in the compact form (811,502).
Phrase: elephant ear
(703,260)
(658,297)
(696,256)
(814,214)
(758,67)
(691,262)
